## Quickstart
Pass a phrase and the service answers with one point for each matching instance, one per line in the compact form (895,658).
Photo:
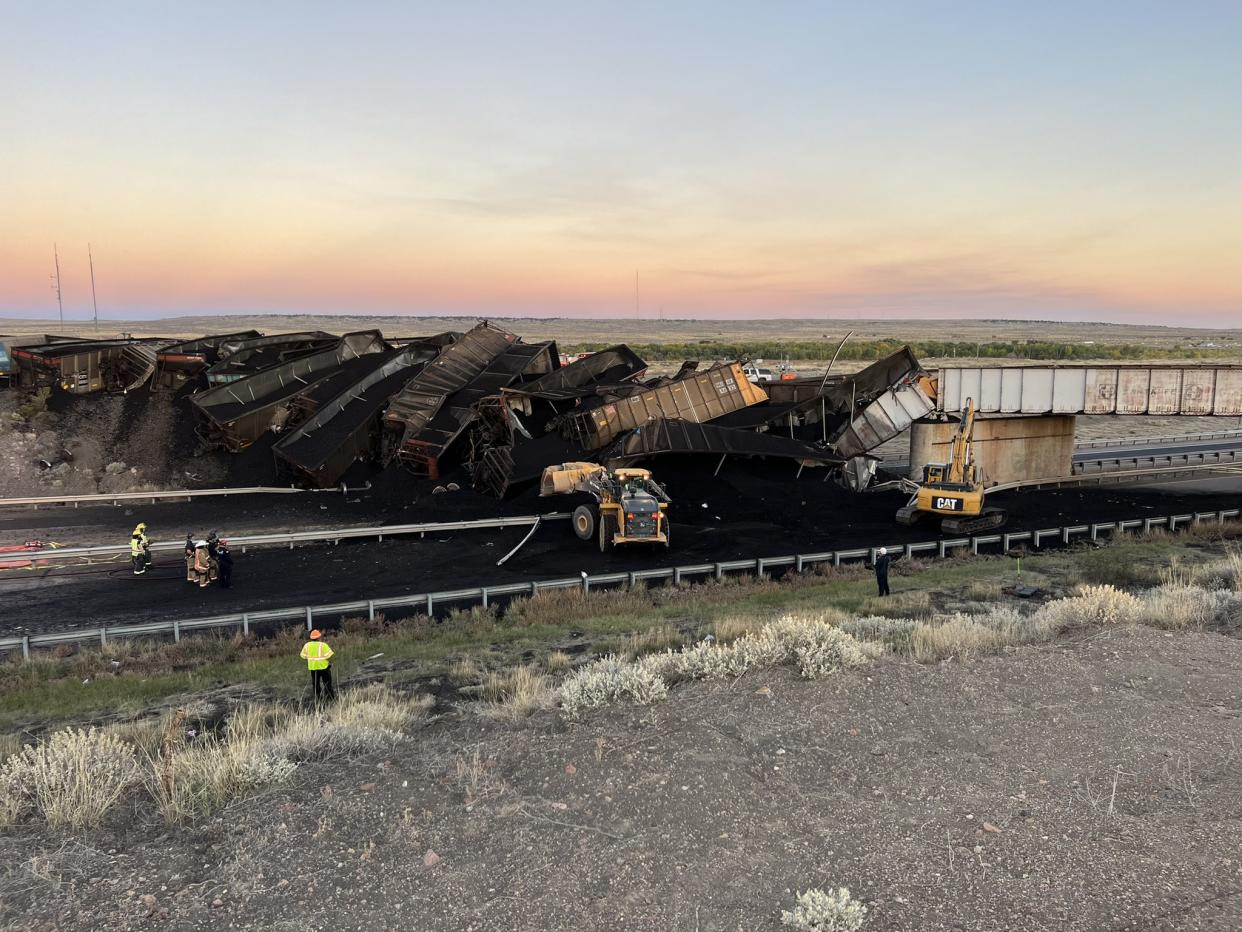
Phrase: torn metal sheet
(611,366)
(243,357)
(451,370)
(677,436)
(884,416)
(421,450)
(177,364)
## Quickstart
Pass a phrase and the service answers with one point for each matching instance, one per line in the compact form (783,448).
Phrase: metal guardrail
(1156,441)
(1103,476)
(292,538)
(1158,460)
(484,595)
(115,498)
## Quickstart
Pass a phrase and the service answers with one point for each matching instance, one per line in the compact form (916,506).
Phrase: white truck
(757,375)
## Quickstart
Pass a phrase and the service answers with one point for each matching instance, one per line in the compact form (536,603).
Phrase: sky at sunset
(1078,160)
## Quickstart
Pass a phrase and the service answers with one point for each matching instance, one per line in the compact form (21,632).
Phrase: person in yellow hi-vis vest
(318,657)
(140,549)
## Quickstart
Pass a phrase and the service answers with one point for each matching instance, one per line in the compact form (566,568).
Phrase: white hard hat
(883,551)
(200,543)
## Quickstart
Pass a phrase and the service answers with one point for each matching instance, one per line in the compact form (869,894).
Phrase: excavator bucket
(569,477)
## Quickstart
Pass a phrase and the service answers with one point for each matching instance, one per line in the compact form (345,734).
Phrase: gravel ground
(1090,784)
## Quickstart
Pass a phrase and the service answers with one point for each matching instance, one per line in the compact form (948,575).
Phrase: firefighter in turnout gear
(140,549)
(318,657)
(204,566)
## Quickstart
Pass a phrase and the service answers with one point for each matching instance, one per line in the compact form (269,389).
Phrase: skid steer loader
(630,507)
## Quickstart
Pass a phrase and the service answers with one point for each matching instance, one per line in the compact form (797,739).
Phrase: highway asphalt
(746,512)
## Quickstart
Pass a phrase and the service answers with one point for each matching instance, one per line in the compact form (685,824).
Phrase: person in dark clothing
(882,562)
(225,559)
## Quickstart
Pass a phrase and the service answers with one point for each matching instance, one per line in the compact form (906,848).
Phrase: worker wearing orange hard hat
(318,657)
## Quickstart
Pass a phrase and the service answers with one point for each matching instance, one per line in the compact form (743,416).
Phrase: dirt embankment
(1089,784)
(64,444)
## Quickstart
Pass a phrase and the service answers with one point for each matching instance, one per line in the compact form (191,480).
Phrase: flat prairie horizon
(647,330)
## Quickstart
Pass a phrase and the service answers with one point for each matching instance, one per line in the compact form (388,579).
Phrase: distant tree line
(822,350)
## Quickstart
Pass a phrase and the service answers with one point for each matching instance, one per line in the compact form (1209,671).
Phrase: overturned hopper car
(234,415)
(82,367)
(697,396)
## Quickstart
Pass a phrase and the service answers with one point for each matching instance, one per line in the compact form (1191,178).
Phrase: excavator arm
(961,460)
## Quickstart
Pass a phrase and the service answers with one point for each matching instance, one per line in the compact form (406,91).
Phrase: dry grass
(1233,562)
(558,662)
(727,630)
(908,604)
(516,694)
(1178,607)
(466,672)
(1178,575)
(191,783)
(144,735)
(660,637)
(10,743)
(963,636)
(257,721)
(984,591)
(552,606)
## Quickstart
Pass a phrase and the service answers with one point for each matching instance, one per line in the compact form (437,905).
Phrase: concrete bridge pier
(1008,448)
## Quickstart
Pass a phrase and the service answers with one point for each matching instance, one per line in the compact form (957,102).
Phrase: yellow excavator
(954,491)
(630,507)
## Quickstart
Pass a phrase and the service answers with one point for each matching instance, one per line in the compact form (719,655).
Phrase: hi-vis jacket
(316,654)
(137,545)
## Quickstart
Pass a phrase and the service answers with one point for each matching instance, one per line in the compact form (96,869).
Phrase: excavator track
(988,520)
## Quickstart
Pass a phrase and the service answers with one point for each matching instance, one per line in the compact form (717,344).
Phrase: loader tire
(584,522)
(605,533)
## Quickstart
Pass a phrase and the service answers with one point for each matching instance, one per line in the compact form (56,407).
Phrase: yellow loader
(630,507)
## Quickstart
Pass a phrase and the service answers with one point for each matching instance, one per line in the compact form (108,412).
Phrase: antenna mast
(94,303)
(60,304)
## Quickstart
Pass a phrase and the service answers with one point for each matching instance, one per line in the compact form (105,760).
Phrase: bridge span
(1160,390)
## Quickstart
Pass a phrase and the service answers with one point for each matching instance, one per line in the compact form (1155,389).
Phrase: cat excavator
(954,491)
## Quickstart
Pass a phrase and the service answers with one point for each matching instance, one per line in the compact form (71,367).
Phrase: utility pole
(60,304)
(94,303)
(636,311)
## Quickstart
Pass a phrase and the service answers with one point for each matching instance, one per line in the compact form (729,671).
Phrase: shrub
(608,680)
(72,779)
(825,911)
(1092,605)
(810,642)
